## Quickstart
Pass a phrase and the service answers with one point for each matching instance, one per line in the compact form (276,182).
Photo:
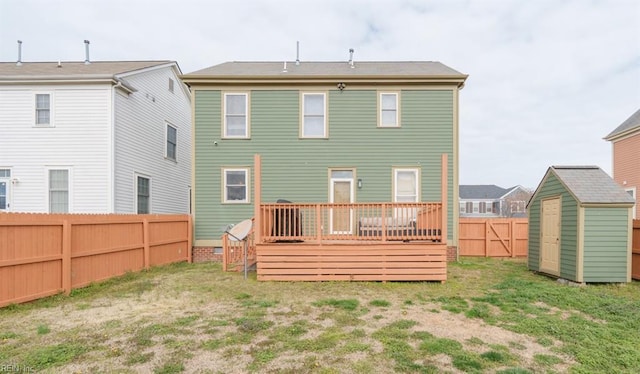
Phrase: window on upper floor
(406,185)
(143,194)
(469,206)
(43,109)
(171,143)
(235,185)
(388,105)
(171,84)
(462,208)
(236,107)
(314,121)
(482,207)
(59,191)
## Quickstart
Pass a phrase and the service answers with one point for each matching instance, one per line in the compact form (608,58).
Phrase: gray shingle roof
(482,191)
(309,69)
(34,71)
(629,124)
(590,184)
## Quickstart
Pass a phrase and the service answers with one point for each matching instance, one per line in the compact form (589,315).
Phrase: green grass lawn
(491,316)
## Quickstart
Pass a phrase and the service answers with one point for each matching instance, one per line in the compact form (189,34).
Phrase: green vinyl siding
(605,244)
(297,169)
(568,227)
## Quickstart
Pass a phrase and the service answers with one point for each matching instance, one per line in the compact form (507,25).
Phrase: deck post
(318,224)
(443,194)
(257,199)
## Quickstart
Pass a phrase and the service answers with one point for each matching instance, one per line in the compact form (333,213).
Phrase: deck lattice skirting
(352,262)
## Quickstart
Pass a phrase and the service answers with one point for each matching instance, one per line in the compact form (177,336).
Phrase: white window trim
(395,186)
(397,95)
(635,196)
(135,192)
(69,187)
(247,116)
(35,106)
(325,135)
(166,141)
(247,170)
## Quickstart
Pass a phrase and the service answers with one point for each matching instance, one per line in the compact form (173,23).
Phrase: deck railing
(318,222)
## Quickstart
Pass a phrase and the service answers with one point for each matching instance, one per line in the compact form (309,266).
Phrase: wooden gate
(493,237)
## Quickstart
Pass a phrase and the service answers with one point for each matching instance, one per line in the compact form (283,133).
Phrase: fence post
(512,240)
(487,241)
(145,236)
(66,257)
(189,239)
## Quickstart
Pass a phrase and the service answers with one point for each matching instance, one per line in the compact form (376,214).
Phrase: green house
(580,226)
(333,132)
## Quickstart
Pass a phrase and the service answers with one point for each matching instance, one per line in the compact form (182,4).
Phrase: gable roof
(630,124)
(362,71)
(588,185)
(72,70)
(481,191)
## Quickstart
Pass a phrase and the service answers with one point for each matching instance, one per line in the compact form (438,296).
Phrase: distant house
(626,157)
(489,200)
(94,137)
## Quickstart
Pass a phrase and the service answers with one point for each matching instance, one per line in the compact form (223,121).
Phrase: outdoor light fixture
(359,183)
(341,86)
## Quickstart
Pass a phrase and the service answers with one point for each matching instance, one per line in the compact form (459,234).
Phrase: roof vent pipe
(351,58)
(19,63)
(86,52)
(297,53)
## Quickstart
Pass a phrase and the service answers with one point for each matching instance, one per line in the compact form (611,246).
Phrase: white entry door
(341,191)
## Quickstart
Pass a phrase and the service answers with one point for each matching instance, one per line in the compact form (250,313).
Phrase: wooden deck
(346,261)
(384,241)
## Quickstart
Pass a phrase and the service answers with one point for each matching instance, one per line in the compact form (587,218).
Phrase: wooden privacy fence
(635,255)
(493,237)
(45,254)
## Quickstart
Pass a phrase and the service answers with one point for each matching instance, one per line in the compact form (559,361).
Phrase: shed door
(550,251)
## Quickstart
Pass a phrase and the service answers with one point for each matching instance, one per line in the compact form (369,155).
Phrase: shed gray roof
(36,71)
(631,123)
(590,184)
(481,191)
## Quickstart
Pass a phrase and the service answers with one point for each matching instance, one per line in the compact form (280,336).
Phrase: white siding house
(102,137)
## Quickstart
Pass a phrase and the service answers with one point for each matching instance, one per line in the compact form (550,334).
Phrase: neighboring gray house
(489,200)
(94,137)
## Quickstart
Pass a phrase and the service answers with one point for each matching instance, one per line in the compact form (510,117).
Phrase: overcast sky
(547,79)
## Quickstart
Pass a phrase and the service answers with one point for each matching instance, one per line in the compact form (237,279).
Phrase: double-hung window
(172,142)
(143,195)
(389,110)
(406,185)
(235,185)
(314,121)
(58,191)
(43,109)
(236,123)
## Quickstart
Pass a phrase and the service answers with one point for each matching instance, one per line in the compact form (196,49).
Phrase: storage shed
(580,226)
